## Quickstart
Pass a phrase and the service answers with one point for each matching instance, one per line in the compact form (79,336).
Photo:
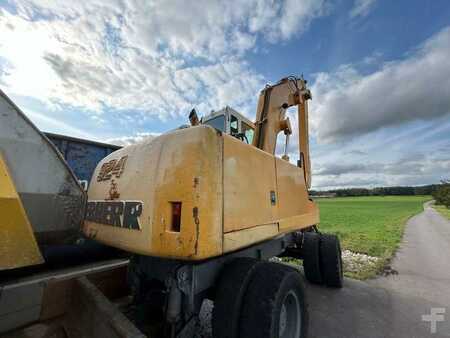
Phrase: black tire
(331,261)
(274,305)
(311,257)
(230,290)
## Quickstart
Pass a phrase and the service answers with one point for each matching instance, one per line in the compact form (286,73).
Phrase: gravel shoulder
(444,211)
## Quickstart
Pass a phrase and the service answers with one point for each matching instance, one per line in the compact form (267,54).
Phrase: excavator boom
(271,118)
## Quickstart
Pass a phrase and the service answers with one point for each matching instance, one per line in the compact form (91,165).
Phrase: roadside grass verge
(443,210)
(370,225)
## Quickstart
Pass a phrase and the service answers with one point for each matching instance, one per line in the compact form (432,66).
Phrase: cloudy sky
(119,71)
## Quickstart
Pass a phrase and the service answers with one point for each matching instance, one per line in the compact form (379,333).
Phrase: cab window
(218,122)
(248,132)
(233,125)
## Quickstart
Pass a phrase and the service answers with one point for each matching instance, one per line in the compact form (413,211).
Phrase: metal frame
(26,300)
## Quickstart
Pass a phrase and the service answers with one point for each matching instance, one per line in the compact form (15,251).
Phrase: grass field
(370,225)
(443,210)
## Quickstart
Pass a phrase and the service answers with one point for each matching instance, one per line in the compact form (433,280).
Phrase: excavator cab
(231,122)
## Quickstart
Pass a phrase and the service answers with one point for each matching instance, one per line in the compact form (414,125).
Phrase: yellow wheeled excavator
(202,209)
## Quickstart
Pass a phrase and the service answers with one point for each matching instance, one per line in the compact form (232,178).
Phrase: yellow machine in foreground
(196,193)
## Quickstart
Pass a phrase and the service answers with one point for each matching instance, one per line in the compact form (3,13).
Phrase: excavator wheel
(311,257)
(331,261)
(274,305)
(230,290)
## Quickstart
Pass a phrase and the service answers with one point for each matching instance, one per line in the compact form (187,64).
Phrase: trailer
(69,302)
(81,155)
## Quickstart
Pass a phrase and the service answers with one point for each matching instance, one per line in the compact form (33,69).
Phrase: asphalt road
(390,306)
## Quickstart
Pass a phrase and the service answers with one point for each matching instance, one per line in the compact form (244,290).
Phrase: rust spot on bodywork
(197,227)
(92,233)
(196,182)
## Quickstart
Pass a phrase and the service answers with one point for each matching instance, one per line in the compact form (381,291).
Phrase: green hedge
(442,195)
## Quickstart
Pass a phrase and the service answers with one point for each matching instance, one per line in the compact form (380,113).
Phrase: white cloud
(284,19)
(48,124)
(366,169)
(127,140)
(158,57)
(421,171)
(361,8)
(348,181)
(348,104)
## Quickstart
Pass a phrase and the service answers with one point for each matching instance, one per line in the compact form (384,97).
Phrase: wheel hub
(290,317)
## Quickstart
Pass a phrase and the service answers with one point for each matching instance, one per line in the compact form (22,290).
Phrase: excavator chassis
(187,284)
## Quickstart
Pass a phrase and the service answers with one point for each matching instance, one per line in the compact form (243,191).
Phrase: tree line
(380,191)
(442,194)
